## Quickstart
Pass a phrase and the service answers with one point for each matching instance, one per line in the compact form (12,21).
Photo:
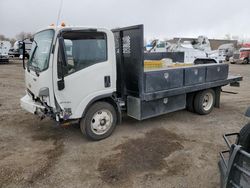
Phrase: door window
(83,49)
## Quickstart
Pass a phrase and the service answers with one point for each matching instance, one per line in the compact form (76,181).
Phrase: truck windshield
(40,50)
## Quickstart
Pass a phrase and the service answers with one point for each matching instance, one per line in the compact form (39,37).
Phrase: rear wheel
(244,137)
(204,102)
(99,122)
(246,60)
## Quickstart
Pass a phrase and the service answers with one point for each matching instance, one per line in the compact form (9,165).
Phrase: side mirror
(248,112)
(62,61)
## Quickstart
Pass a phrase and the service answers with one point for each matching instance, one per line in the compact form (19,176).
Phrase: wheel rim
(207,101)
(101,121)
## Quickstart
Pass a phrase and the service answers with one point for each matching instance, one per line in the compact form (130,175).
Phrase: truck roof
(58,28)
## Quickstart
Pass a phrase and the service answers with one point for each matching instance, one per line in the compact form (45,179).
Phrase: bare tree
(19,36)
(12,41)
(23,35)
(2,37)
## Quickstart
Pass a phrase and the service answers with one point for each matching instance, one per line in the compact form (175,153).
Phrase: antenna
(59,12)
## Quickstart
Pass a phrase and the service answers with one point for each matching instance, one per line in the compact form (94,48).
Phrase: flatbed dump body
(158,91)
(192,88)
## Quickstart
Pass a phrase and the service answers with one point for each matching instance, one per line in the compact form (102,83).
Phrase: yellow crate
(153,64)
(181,65)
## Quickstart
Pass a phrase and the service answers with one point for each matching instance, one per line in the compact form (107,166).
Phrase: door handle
(107,81)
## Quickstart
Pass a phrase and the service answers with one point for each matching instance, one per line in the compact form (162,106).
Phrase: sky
(162,19)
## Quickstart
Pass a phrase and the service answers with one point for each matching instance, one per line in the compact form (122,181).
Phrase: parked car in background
(235,169)
(244,55)
(241,56)
(4,49)
(13,52)
(235,58)
(17,50)
(226,50)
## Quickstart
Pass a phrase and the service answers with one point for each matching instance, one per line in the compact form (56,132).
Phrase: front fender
(80,109)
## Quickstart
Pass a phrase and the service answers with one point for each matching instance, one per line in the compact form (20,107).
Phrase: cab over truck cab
(92,74)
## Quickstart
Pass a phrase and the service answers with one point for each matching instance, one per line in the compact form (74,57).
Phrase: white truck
(4,50)
(18,48)
(192,51)
(91,75)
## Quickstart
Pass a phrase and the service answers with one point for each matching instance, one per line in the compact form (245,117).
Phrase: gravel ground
(178,150)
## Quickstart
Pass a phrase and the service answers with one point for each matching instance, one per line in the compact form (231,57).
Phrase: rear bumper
(28,104)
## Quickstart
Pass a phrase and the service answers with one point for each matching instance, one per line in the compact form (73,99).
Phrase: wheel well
(108,99)
(246,59)
(191,96)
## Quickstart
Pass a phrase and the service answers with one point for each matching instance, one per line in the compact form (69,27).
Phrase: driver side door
(87,73)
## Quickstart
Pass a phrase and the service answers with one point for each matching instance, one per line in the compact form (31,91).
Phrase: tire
(99,122)
(246,61)
(244,137)
(204,102)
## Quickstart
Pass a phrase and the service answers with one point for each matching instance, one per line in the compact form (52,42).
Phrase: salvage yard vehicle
(235,169)
(17,49)
(4,49)
(91,75)
(226,50)
(243,56)
(193,51)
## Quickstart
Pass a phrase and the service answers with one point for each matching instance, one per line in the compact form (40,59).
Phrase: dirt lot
(174,150)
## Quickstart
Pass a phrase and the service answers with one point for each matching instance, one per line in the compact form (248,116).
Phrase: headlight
(44,94)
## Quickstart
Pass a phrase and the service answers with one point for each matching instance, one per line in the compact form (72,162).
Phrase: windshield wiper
(37,70)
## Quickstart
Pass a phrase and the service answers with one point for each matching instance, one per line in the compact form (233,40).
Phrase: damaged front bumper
(38,108)
(28,104)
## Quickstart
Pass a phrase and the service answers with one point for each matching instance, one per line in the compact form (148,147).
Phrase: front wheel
(99,121)
(204,102)
(246,61)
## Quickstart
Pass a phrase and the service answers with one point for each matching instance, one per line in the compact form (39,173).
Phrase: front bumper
(4,59)
(28,104)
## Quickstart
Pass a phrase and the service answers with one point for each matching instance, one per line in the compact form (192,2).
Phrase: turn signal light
(63,24)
